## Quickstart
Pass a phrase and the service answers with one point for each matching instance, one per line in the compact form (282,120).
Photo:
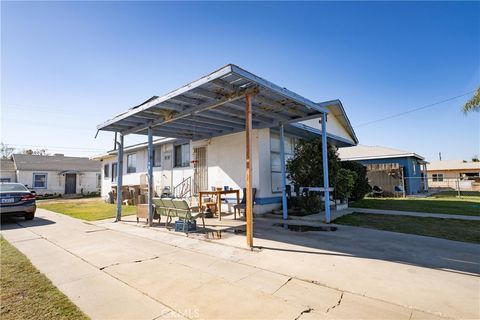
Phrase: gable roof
(7,165)
(55,163)
(336,108)
(453,165)
(362,152)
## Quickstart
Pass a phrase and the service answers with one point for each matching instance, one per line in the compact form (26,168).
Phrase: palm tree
(473,104)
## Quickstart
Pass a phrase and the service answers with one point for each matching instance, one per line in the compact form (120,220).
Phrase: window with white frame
(182,155)
(437,177)
(114,172)
(275,158)
(157,157)
(132,163)
(40,180)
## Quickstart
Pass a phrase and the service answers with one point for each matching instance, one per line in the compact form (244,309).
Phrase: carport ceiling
(215,105)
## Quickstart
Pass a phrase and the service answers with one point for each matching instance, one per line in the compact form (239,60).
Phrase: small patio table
(218,194)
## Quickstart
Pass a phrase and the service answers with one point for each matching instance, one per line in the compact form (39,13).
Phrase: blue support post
(150,176)
(119,177)
(325,168)
(284,176)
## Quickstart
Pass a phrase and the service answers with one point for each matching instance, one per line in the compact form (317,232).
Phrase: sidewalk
(416,214)
(126,271)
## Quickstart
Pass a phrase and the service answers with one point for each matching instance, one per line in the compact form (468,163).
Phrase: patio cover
(214,105)
(226,101)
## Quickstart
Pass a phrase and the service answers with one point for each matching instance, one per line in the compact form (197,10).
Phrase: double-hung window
(275,158)
(182,155)
(40,180)
(132,163)
(437,177)
(106,171)
(157,157)
(114,172)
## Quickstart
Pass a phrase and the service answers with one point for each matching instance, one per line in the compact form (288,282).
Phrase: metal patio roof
(214,105)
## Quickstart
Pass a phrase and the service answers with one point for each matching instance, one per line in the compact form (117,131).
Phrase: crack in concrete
(304,311)
(411,314)
(128,262)
(288,280)
(338,303)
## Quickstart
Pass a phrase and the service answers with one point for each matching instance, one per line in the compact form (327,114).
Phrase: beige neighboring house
(55,174)
(8,173)
(454,174)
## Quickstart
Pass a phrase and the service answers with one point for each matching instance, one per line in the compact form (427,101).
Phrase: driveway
(126,271)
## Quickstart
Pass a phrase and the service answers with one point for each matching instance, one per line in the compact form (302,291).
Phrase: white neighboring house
(56,174)
(454,174)
(8,173)
(220,161)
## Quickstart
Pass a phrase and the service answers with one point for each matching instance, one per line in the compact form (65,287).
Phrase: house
(455,174)
(207,145)
(8,173)
(55,174)
(394,171)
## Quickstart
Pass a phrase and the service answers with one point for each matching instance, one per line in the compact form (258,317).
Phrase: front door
(70,183)
(200,178)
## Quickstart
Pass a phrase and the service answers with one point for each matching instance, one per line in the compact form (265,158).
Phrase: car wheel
(29,216)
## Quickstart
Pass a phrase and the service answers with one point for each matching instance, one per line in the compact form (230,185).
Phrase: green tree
(361,186)
(344,183)
(305,168)
(474,103)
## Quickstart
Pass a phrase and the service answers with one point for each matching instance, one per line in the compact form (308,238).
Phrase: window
(114,172)
(132,163)
(157,157)
(106,170)
(99,180)
(4,179)
(437,177)
(39,180)
(182,155)
(275,158)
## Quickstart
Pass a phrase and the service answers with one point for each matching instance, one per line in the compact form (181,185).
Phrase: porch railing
(183,189)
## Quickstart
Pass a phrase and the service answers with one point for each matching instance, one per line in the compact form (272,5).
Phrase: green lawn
(444,202)
(451,229)
(86,209)
(28,294)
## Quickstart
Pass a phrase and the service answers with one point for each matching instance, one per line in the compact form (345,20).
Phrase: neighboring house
(454,174)
(390,169)
(8,173)
(220,161)
(57,174)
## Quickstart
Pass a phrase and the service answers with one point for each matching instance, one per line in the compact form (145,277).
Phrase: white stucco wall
(56,181)
(12,175)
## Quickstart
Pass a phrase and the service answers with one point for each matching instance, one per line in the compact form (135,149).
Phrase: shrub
(361,186)
(344,183)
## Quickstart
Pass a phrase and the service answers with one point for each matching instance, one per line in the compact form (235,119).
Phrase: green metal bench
(176,208)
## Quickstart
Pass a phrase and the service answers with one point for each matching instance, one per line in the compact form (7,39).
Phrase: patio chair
(187,213)
(243,203)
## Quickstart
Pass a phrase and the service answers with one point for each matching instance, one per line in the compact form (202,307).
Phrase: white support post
(325,168)
(284,176)
(119,178)
(150,176)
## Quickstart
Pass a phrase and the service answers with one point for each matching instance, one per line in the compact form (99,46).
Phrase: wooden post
(150,176)
(248,171)
(119,178)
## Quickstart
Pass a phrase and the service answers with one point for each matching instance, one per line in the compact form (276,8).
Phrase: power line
(415,109)
(51,110)
(55,147)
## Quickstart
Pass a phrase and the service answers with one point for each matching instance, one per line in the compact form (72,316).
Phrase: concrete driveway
(126,271)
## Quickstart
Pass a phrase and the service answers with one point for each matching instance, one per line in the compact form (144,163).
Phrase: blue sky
(68,66)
